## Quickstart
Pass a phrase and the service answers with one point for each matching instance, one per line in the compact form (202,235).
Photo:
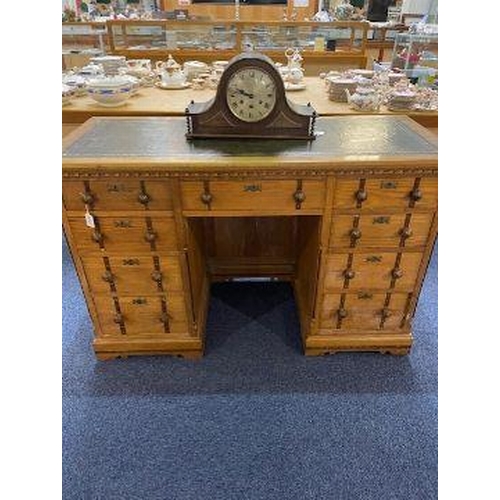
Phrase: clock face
(251,94)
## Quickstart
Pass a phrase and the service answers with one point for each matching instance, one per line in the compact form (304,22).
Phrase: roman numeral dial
(251,94)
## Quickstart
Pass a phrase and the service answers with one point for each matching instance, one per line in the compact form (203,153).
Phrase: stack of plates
(337,88)
(401,101)
(111,64)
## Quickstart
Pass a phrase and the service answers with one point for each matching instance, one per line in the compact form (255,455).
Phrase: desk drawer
(381,230)
(125,234)
(133,274)
(119,194)
(142,315)
(363,311)
(253,195)
(373,270)
(386,193)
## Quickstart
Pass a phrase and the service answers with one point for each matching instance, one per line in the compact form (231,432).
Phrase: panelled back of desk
(142,280)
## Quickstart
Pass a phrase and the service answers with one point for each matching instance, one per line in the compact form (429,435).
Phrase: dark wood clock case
(213,119)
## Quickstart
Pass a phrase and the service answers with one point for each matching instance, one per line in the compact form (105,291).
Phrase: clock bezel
(261,69)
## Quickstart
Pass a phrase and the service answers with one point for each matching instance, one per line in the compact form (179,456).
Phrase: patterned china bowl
(110,91)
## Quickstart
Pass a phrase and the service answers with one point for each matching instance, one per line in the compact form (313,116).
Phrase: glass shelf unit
(416,54)
(84,36)
(212,40)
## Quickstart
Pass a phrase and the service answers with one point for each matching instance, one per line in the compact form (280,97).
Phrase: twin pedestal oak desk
(152,219)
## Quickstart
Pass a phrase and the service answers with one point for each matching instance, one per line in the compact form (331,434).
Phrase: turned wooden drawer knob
(406,232)
(108,277)
(87,198)
(355,234)
(156,276)
(144,198)
(349,274)
(165,317)
(361,195)
(299,196)
(97,236)
(385,313)
(118,318)
(206,198)
(342,313)
(416,194)
(397,273)
(150,236)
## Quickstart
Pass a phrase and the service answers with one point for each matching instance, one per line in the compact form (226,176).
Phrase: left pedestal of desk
(129,250)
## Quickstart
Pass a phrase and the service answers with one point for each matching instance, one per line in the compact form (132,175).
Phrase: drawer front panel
(372,270)
(142,315)
(119,194)
(363,311)
(133,274)
(125,234)
(253,195)
(384,230)
(386,193)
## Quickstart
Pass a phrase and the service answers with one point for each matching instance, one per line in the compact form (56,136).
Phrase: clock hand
(246,94)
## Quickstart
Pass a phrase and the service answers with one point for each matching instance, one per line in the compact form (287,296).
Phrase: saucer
(161,85)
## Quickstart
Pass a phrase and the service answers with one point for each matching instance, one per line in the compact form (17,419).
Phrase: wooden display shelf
(156,102)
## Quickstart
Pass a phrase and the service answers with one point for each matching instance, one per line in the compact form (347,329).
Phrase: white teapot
(171,73)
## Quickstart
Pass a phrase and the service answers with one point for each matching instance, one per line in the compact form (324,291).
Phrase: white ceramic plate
(161,85)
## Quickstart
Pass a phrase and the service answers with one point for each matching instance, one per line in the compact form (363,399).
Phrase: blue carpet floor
(254,419)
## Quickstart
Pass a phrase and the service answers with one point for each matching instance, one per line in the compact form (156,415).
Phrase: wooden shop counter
(157,102)
(152,219)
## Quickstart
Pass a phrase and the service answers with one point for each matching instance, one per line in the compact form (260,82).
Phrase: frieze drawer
(119,194)
(142,315)
(381,230)
(125,234)
(133,274)
(363,310)
(369,194)
(253,195)
(380,270)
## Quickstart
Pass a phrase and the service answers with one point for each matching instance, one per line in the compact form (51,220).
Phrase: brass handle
(206,198)
(118,318)
(397,273)
(144,198)
(406,232)
(97,236)
(349,274)
(416,194)
(342,313)
(156,276)
(87,198)
(355,234)
(108,277)
(150,236)
(299,196)
(165,317)
(385,313)
(361,195)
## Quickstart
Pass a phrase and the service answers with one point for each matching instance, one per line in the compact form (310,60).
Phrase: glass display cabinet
(84,36)
(321,44)
(416,54)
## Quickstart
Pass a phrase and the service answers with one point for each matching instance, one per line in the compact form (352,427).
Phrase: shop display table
(152,219)
(157,102)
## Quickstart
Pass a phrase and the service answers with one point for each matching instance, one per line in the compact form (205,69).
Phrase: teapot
(171,73)
(365,97)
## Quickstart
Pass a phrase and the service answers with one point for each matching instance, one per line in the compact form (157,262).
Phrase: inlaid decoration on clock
(250,102)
